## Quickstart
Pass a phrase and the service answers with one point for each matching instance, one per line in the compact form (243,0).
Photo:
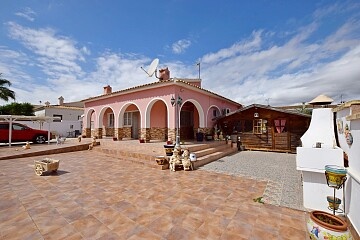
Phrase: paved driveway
(94,196)
(284,184)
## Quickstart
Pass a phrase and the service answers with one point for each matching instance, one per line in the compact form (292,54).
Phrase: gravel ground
(284,187)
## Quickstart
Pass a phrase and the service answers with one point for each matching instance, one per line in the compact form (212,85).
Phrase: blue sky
(276,52)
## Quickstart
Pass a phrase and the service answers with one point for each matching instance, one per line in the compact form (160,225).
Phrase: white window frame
(111,120)
(128,118)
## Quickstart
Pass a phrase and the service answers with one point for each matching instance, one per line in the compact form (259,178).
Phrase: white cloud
(55,54)
(294,72)
(244,47)
(27,13)
(180,46)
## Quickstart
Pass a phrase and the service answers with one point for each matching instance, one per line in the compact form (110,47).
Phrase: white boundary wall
(57,128)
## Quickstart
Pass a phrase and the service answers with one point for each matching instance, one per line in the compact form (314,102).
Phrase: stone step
(205,152)
(201,161)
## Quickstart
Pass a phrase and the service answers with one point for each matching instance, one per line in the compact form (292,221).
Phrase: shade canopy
(321,100)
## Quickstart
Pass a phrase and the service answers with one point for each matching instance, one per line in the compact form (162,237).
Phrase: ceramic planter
(323,225)
(333,204)
(169,148)
(160,160)
(335,175)
(193,157)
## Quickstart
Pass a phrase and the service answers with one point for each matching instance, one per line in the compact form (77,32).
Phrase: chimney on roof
(164,74)
(61,100)
(107,90)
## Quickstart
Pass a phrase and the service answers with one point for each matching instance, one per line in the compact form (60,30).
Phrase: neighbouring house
(69,117)
(155,111)
(263,127)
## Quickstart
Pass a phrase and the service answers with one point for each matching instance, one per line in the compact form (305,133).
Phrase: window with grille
(111,120)
(259,126)
(127,118)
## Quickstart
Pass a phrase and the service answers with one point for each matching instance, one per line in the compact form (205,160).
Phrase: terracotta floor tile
(61,233)
(145,234)
(49,221)
(226,211)
(85,223)
(239,228)
(119,221)
(290,233)
(161,226)
(206,231)
(93,200)
(126,230)
(95,231)
(178,233)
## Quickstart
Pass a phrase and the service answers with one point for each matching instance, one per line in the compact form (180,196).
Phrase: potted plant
(169,148)
(335,175)
(333,204)
(141,140)
(323,225)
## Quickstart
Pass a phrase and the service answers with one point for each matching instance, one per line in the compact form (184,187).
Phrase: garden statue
(186,160)
(27,146)
(174,159)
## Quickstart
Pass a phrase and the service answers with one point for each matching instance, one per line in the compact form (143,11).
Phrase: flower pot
(169,148)
(323,225)
(333,204)
(335,175)
(192,157)
(199,136)
(160,160)
(142,140)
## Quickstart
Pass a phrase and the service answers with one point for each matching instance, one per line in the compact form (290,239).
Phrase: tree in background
(6,93)
(17,109)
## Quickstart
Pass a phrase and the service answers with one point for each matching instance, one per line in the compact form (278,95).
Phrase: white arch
(101,115)
(88,114)
(120,122)
(207,113)
(199,109)
(148,111)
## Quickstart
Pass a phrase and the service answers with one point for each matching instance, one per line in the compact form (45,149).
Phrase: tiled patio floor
(94,196)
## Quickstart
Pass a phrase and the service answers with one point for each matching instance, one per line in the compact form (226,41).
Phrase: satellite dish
(152,68)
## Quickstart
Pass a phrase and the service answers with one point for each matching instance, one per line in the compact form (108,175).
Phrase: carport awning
(11,118)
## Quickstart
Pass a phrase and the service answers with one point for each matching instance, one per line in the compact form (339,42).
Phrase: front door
(135,125)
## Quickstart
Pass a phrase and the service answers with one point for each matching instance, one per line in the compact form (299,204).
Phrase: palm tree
(6,93)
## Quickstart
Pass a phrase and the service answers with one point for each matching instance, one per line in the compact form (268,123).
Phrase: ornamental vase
(323,225)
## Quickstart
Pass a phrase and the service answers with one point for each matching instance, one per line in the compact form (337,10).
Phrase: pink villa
(149,111)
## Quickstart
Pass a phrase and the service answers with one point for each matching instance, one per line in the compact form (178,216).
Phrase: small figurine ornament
(186,160)
(174,160)
(27,146)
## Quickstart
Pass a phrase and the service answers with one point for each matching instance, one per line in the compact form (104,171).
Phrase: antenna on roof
(152,68)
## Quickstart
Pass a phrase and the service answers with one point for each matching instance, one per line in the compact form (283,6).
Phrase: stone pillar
(172,134)
(119,133)
(86,132)
(145,134)
(98,133)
